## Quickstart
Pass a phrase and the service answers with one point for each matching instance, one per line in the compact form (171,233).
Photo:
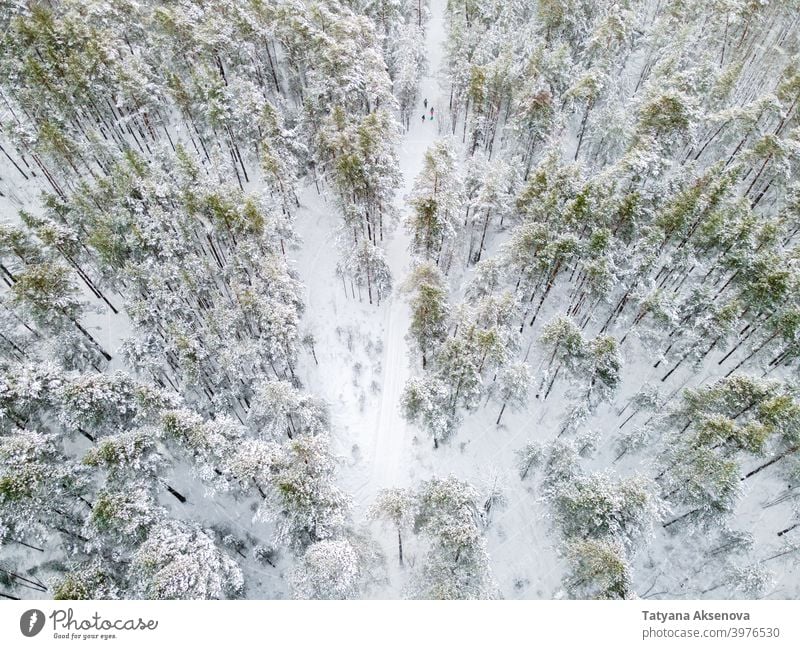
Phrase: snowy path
(393,436)
(391,431)
(369,432)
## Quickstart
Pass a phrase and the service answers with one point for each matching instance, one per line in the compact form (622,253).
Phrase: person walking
(431,112)
(425,103)
(423,117)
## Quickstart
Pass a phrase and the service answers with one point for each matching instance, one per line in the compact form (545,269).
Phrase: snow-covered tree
(429,309)
(329,569)
(182,561)
(396,506)
(426,401)
(90,581)
(41,490)
(409,66)
(278,408)
(597,506)
(514,383)
(436,202)
(599,569)
(301,494)
(456,565)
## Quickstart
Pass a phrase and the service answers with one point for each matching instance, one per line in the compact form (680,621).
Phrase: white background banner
(408,624)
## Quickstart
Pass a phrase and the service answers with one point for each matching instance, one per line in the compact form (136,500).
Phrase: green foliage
(599,507)
(598,570)
(91,581)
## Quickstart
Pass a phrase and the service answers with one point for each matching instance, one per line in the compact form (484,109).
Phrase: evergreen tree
(301,496)
(514,385)
(426,401)
(456,566)
(182,561)
(429,309)
(396,506)
(436,200)
(599,569)
(328,570)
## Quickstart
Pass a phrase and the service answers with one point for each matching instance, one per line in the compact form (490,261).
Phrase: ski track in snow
(391,430)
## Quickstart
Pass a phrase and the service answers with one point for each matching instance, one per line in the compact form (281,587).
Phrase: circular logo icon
(31,622)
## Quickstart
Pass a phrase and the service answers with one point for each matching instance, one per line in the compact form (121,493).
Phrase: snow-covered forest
(331,299)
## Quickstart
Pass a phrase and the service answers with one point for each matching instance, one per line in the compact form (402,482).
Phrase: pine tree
(599,569)
(396,506)
(427,401)
(302,497)
(436,200)
(182,561)
(597,506)
(514,385)
(727,423)
(328,570)
(564,343)
(409,64)
(88,581)
(456,566)
(278,408)
(429,309)
(41,490)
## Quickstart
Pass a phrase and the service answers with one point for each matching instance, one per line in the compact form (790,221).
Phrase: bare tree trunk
(502,410)
(400,546)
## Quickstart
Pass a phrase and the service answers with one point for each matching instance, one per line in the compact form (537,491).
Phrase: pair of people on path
(425,103)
